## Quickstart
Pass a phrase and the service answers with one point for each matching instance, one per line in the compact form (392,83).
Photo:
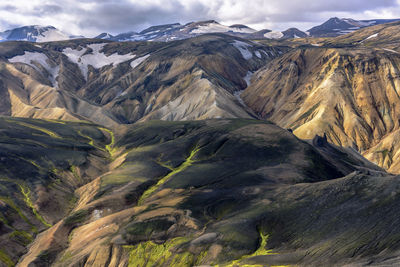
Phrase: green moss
(110,147)
(40,129)
(26,193)
(21,236)
(74,171)
(11,204)
(147,228)
(149,254)
(6,259)
(55,121)
(32,162)
(91,141)
(76,217)
(261,251)
(188,162)
(117,179)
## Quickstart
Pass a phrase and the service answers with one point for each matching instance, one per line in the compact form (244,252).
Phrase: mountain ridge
(176,31)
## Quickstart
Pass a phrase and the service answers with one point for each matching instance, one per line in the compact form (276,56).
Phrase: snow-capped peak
(35,33)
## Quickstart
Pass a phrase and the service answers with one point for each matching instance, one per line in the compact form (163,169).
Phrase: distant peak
(334,19)
(208,22)
(292,29)
(239,26)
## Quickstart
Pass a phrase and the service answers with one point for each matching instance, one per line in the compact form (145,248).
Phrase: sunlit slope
(113,83)
(349,94)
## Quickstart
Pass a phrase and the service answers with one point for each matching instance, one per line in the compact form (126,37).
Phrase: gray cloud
(47,10)
(90,17)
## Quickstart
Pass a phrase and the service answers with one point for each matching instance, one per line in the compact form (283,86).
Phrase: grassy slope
(39,165)
(221,192)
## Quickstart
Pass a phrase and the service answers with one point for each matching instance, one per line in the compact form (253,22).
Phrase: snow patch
(52,35)
(97,214)
(247,78)
(242,30)
(258,54)
(138,61)
(237,94)
(372,36)
(273,35)
(211,27)
(243,48)
(391,50)
(96,59)
(366,23)
(30,58)
(215,27)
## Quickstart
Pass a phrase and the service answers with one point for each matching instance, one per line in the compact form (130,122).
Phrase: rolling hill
(181,193)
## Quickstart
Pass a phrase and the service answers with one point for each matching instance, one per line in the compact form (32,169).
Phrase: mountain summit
(35,33)
(336,26)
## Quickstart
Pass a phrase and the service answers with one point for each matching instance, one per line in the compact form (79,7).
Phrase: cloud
(91,17)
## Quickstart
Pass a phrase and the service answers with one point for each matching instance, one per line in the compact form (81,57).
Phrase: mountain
(348,91)
(113,83)
(213,150)
(181,193)
(170,32)
(35,33)
(336,26)
(293,33)
(177,31)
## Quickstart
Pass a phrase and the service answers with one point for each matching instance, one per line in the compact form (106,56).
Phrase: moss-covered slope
(219,192)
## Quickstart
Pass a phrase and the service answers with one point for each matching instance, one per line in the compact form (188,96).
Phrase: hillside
(184,190)
(114,83)
(347,91)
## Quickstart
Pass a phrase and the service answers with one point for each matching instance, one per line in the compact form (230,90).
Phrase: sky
(92,17)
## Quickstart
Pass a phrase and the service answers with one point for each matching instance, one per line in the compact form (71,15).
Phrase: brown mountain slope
(113,83)
(351,95)
(384,36)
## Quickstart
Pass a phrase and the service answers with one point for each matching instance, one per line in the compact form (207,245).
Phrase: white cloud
(90,17)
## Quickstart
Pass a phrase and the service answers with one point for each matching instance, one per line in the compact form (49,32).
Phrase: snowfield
(372,36)
(273,35)
(247,78)
(215,27)
(243,48)
(52,35)
(96,59)
(138,61)
(34,58)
